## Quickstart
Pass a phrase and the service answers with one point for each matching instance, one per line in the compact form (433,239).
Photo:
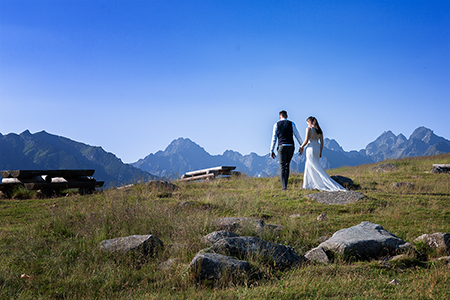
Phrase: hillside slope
(47,151)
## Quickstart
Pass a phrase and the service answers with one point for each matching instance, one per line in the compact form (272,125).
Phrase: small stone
(25,276)
(185,204)
(404,184)
(438,240)
(295,216)
(384,168)
(322,217)
(394,282)
(317,254)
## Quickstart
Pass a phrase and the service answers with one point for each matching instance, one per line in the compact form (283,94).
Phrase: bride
(314,176)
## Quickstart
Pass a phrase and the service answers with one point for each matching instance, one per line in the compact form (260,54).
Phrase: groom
(284,130)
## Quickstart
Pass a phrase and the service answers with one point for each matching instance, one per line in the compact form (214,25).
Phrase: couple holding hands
(314,176)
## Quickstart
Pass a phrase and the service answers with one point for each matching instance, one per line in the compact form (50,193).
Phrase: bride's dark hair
(315,124)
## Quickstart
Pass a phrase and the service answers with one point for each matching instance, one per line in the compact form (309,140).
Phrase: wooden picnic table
(210,173)
(49,181)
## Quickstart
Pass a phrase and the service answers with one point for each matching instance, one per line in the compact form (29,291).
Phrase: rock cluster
(225,258)
(440,170)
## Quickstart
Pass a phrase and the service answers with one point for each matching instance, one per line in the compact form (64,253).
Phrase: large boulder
(213,266)
(213,237)
(280,256)
(438,240)
(364,241)
(337,197)
(146,245)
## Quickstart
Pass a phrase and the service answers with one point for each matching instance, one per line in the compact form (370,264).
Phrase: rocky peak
(183,145)
(332,145)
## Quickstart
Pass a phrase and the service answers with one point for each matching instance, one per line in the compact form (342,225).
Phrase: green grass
(55,241)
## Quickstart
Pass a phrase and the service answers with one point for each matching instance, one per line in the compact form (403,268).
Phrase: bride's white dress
(314,176)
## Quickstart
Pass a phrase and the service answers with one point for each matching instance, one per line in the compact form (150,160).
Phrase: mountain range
(43,150)
(183,155)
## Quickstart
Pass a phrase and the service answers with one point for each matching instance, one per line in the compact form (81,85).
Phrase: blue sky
(131,76)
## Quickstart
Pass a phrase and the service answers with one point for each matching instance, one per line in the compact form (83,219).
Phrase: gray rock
(394,282)
(322,217)
(185,204)
(295,216)
(438,240)
(212,265)
(145,245)
(365,241)
(280,256)
(317,254)
(213,237)
(404,184)
(440,170)
(384,168)
(238,224)
(344,181)
(336,197)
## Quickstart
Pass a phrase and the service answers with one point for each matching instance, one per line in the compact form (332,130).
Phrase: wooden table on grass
(49,181)
(210,173)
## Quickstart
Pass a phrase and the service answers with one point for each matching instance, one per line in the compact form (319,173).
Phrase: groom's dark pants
(285,154)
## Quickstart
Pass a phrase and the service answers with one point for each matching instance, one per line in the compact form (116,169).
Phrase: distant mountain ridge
(46,151)
(183,155)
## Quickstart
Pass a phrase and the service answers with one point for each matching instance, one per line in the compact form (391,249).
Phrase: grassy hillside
(54,241)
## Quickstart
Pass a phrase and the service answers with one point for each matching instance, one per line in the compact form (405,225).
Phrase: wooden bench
(49,181)
(210,173)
